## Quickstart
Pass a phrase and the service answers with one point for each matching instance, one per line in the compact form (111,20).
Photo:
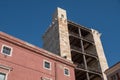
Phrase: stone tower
(100,52)
(56,39)
(78,44)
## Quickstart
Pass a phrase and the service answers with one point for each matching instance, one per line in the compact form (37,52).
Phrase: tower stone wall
(56,39)
(100,52)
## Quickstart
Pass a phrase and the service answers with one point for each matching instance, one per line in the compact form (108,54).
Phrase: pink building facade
(20,60)
(113,73)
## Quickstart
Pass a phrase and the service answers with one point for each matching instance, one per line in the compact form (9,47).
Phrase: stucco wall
(28,65)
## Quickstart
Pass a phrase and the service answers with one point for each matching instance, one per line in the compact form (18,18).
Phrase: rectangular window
(44,78)
(113,77)
(66,72)
(2,76)
(6,50)
(47,64)
(118,77)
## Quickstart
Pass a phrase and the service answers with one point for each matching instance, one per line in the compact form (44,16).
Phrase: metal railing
(93,69)
(78,65)
(91,53)
(73,33)
(88,39)
(76,48)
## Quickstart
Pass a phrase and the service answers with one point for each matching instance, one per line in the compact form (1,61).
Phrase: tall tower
(78,44)
(100,52)
(56,39)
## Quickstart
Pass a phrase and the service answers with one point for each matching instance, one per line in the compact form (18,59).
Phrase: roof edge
(34,48)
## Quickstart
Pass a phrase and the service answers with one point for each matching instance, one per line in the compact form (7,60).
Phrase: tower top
(59,13)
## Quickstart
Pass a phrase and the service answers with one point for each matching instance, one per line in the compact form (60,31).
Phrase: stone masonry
(100,52)
(57,35)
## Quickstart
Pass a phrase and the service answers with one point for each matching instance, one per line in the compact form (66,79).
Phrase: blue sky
(28,20)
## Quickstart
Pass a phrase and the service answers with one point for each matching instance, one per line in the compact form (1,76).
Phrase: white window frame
(44,64)
(6,74)
(46,78)
(68,71)
(8,47)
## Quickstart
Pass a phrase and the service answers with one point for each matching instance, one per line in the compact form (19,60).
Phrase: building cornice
(34,48)
(113,68)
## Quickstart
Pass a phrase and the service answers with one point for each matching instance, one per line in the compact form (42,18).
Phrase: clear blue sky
(28,20)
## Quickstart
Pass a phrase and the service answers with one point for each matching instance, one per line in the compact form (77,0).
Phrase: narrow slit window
(62,16)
